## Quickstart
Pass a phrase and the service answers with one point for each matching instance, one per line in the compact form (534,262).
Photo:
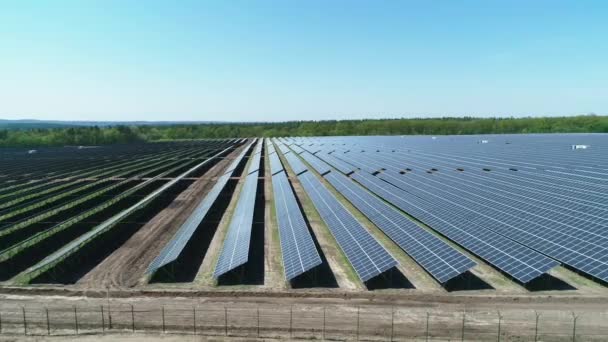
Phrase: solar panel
(275,164)
(238,159)
(441,260)
(235,251)
(177,244)
(562,246)
(296,164)
(68,249)
(536,190)
(297,149)
(512,258)
(298,249)
(284,149)
(365,254)
(320,166)
(340,165)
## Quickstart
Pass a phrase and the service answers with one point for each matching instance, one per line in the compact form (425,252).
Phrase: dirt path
(126,266)
(400,318)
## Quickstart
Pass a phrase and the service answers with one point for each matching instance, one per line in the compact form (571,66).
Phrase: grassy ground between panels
(343,271)
(275,271)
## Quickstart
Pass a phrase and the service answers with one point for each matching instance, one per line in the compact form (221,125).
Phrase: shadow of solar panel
(441,260)
(298,249)
(365,254)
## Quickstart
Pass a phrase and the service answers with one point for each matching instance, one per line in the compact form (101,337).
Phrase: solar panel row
(235,250)
(320,166)
(437,257)
(365,254)
(568,237)
(298,249)
(177,244)
(512,258)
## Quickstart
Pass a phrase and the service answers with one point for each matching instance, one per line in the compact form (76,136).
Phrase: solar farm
(501,214)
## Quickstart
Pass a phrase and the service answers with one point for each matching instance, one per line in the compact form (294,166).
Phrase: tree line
(440,126)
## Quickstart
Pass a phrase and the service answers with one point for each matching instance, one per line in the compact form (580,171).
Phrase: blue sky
(287,60)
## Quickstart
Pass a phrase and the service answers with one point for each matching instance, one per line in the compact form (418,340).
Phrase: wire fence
(306,322)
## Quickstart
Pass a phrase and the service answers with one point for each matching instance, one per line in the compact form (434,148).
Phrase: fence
(306,322)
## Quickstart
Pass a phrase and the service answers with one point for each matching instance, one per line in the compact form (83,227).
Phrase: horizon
(268,61)
(194,122)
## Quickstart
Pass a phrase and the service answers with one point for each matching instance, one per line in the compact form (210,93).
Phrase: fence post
(76,319)
(194,319)
(162,308)
(358,314)
(48,325)
(324,309)
(103,320)
(427,327)
(109,307)
(24,321)
(226,320)
(291,321)
(392,323)
(574,318)
(464,315)
(258,321)
(499,322)
(536,326)
(132,318)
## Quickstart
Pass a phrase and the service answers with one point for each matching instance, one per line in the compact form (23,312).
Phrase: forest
(95,135)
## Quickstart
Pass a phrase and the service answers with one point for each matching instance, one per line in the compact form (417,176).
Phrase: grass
(312,214)
(273,222)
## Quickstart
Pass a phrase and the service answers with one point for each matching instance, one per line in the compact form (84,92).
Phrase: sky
(232,60)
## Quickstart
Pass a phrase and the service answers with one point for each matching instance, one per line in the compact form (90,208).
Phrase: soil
(339,318)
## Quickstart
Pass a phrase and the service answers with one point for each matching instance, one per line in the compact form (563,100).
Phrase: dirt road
(397,318)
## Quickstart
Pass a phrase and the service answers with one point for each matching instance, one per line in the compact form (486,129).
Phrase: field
(371,238)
